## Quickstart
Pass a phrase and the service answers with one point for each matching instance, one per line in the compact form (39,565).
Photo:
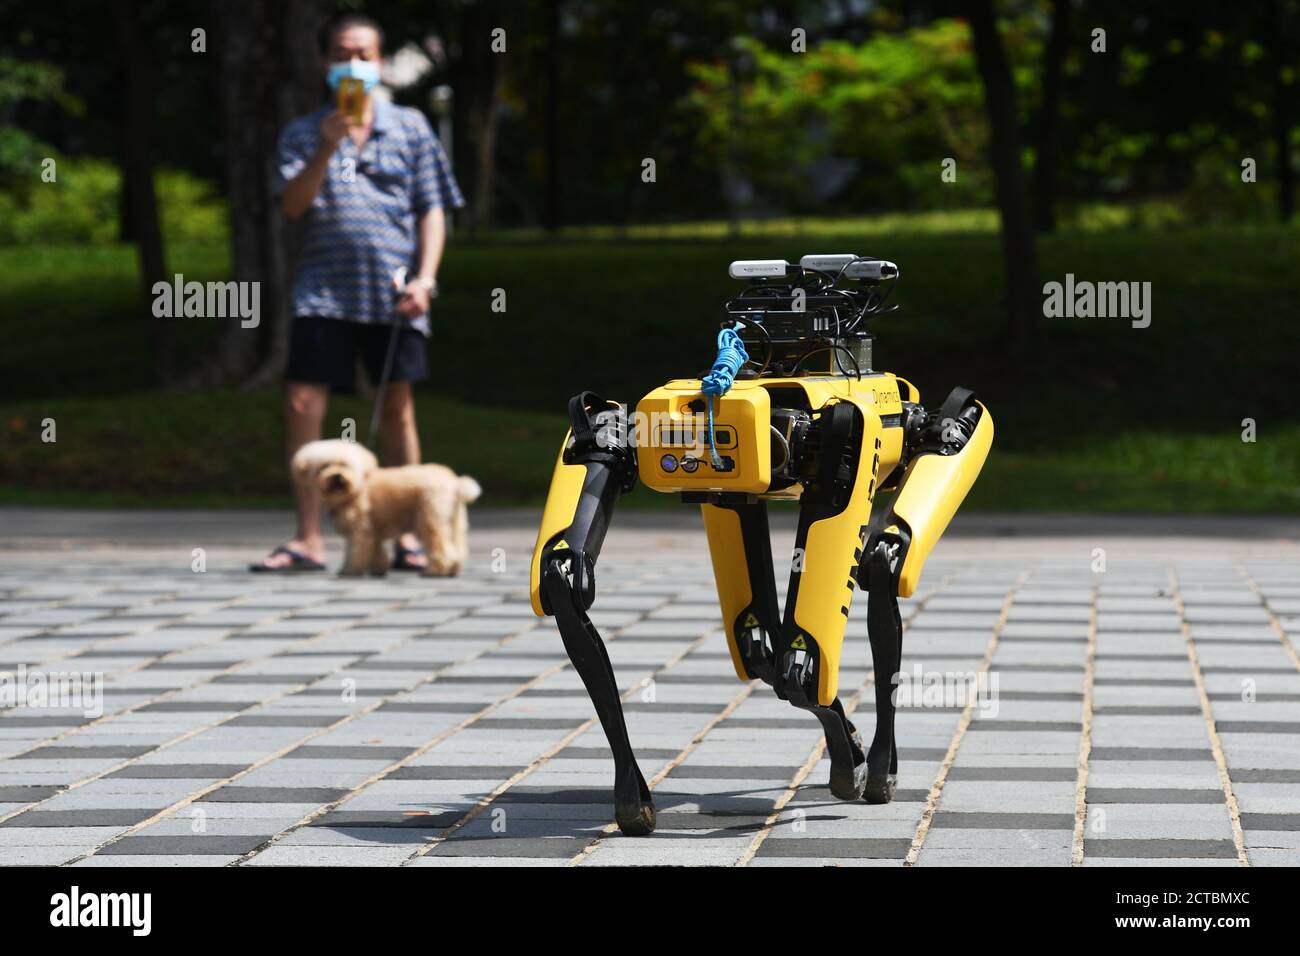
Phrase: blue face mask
(367,71)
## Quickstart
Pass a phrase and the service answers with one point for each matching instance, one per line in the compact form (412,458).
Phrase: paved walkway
(1149,714)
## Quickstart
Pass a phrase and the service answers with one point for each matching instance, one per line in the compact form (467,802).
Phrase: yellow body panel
(666,425)
(730,572)
(932,490)
(830,561)
(561,506)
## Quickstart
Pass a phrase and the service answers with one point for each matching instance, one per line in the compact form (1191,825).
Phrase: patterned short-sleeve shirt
(361,227)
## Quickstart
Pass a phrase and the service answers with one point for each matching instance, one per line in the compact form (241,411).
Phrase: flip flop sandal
(400,562)
(298,562)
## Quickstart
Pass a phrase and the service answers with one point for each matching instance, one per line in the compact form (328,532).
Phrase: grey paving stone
(335,752)
(987,772)
(63,752)
(25,794)
(314,856)
(190,771)
(357,836)
(203,844)
(963,838)
(1160,849)
(1258,727)
(388,818)
(430,707)
(454,772)
(1002,821)
(1006,856)
(37,855)
(864,848)
(1161,862)
(1159,795)
(80,818)
(134,861)
(57,836)
(1150,753)
(283,720)
(234,793)
(700,772)
(489,846)
(1271,821)
(196,706)
(1274,857)
(1258,775)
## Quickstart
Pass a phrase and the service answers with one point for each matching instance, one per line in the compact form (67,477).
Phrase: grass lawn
(1107,418)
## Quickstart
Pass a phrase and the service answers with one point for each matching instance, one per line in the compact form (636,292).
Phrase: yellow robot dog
(811,422)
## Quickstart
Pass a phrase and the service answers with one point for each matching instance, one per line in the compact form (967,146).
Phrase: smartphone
(352,99)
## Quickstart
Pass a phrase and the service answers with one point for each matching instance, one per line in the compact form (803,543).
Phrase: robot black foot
(844,747)
(880,789)
(636,819)
(634,808)
(847,781)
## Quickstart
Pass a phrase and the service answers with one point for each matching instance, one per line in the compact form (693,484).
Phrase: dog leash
(399,286)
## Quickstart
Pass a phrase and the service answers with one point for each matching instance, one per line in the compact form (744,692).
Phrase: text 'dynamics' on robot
(792,410)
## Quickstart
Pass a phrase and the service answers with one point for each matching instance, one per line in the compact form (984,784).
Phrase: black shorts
(324,352)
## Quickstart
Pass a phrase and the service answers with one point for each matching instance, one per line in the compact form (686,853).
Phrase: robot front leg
(595,466)
(833,516)
(740,546)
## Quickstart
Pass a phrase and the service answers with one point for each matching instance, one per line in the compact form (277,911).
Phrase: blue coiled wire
(731,356)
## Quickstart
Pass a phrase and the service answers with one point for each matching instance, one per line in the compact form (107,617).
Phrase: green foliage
(21,153)
(82,206)
(79,206)
(191,208)
(895,105)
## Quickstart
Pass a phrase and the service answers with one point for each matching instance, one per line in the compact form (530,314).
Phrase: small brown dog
(372,507)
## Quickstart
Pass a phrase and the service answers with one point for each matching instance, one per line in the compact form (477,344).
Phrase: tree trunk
(298,92)
(1282,122)
(1047,151)
(477,90)
(139,204)
(1019,256)
(551,118)
(270,74)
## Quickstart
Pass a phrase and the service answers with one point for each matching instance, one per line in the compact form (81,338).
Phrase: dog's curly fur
(371,507)
(309,460)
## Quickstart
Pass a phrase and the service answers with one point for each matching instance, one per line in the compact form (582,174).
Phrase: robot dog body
(832,439)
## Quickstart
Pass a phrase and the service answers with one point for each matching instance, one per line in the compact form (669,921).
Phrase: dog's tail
(467,489)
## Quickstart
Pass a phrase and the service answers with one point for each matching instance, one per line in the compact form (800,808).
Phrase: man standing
(371,194)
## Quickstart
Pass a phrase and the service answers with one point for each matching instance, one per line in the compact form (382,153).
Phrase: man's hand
(333,128)
(414,300)
(300,192)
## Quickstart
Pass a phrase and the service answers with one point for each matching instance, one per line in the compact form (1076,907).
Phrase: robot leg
(595,466)
(947,449)
(740,546)
(752,620)
(833,519)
